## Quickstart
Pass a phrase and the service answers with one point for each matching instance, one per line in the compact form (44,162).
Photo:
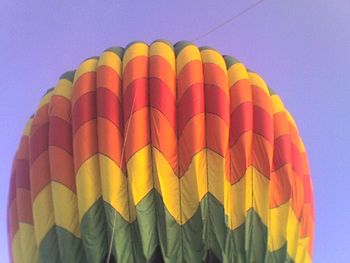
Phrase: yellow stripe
(253,187)
(43,213)
(258,81)
(28,243)
(66,208)
(292,233)
(277,104)
(186,55)
(258,194)
(216,175)
(114,186)
(112,60)
(88,185)
(167,184)
(64,89)
(234,206)
(17,248)
(27,128)
(45,100)
(237,72)
(87,66)
(140,174)
(212,56)
(193,186)
(277,234)
(165,51)
(302,255)
(135,50)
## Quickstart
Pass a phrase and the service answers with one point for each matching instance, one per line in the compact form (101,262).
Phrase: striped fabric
(161,153)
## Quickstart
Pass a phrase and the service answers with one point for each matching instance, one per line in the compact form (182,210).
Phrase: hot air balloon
(161,153)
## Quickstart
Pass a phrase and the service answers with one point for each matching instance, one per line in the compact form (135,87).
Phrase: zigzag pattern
(161,152)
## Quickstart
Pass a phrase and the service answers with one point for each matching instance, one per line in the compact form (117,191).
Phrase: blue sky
(301,48)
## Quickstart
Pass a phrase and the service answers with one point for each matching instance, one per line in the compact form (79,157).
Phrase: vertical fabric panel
(64,196)
(86,162)
(110,147)
(13,225)
(191,148)
(162,88)
(240,170)
(23,198)
(40,184)
(217,123)
(138,154)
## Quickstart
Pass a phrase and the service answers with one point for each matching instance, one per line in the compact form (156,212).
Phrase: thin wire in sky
(244,11)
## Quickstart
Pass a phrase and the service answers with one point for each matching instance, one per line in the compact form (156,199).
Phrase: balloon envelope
(161,153)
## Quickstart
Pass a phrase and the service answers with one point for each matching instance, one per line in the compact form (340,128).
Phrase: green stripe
(181,45)
(255,237)
(48,249)
(230,61)
(136,241)
(119,51)
(214,229)
(204,238)
(69,75)
(180,243)
(93,232)
(71,247)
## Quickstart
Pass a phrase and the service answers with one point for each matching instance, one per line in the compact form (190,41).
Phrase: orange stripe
(162,70)
(60,107)
(191,73)
(164,137)
(241,159)
(217,134)
(39,174)
(84,84)
(137,68)
(191,141)
(138,132)
(110,140)
(84,144)
(261,154)
(62,169)
(240,92)
(109,79)
(214,75)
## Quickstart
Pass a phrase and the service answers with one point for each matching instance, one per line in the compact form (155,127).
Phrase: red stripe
(217,102)
(263,123)
(282,151)
(190,104)
(135,97)
(12,191)
(241,121)
(163,100)
(84,110)
(109,107)
(60,134)
(39,142)
(22,174)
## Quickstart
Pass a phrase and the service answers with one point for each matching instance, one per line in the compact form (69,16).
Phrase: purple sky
(301,48)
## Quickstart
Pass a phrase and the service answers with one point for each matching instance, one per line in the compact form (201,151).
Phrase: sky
(301,48)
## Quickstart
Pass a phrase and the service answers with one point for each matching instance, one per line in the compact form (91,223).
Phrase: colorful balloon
(161,153)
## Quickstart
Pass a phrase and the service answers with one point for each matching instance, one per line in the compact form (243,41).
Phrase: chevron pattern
(161,153)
